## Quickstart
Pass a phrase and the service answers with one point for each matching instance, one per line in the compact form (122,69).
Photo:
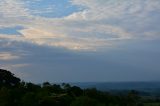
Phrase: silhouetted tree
(8,79)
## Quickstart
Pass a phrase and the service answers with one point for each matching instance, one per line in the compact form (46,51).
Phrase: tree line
(14,92)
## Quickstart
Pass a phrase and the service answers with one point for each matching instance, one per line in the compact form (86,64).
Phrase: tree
(86,101)
(133,98)
(8,79)
(29,99)
(5,97)
(16,93)
(75,91)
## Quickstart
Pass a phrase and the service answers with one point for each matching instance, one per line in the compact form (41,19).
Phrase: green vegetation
(14,92)
(152,104)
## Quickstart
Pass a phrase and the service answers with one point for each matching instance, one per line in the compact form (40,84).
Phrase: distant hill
(151,87)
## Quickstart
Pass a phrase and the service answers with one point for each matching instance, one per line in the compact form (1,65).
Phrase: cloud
(104,9)
(12,8)
(134,16)
(14,66)
(54,46)
(42,37)
(101,23)
(8,56)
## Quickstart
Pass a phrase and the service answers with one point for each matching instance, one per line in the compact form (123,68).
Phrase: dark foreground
(14,92)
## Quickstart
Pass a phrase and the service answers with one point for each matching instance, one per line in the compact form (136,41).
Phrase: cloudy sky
(81,40)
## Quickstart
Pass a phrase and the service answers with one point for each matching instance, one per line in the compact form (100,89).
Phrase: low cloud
(8,56)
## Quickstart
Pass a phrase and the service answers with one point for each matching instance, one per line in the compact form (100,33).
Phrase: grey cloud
(52,48)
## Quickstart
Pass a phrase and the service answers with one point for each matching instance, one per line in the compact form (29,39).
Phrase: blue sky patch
(11,30)
(52,8)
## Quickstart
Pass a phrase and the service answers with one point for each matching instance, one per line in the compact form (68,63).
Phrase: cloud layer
(80,36)
(100,22)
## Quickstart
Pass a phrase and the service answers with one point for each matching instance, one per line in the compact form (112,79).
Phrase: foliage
(8,79)
(16,93)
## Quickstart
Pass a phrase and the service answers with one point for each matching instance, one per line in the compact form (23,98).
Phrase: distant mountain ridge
(105,86)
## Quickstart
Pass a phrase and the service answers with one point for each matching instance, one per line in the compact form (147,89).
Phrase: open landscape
(14,92)
(79,52)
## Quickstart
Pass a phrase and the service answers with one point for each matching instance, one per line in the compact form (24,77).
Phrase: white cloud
(137,17)
(12,8)
(104,9)
(42,37)
(100,24)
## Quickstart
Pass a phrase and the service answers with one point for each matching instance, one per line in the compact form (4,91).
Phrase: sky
(81,40)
